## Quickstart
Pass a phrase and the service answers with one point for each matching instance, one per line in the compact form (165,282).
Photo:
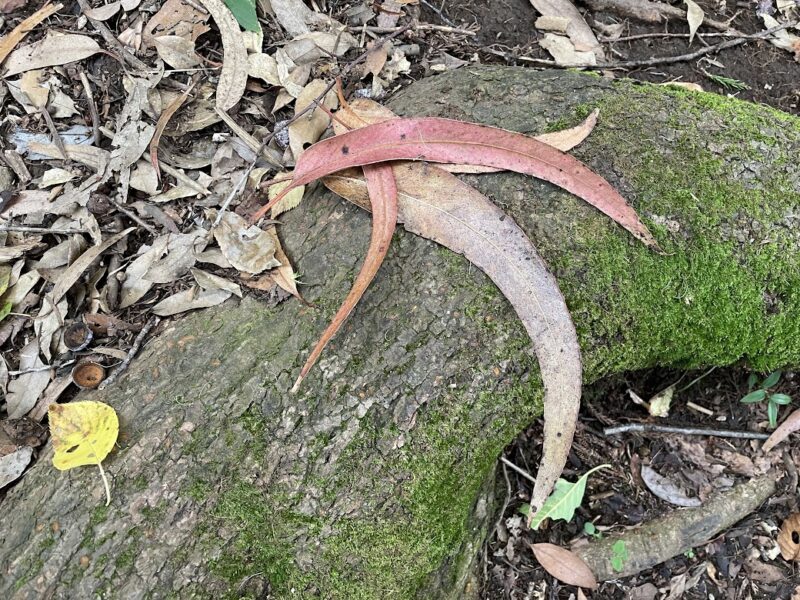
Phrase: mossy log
(376,481)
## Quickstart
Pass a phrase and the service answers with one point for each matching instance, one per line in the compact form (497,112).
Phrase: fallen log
(377,480)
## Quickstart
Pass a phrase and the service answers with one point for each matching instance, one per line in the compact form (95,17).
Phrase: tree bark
(376,480)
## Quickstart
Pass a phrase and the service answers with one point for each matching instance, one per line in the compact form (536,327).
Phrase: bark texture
(376,480)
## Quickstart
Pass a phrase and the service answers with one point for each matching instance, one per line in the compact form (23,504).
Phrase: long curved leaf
(447,141)
(438,206)
(381,188)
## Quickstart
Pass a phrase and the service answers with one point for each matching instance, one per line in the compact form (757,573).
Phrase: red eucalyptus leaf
(383,192)
(447,141)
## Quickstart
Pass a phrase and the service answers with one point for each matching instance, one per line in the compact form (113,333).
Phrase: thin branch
(54,132)
(87,92)
(30,229)
(652,428)
(514,467)
(420,27)
(133,216)
(42,368)
(137,343)
(650,62)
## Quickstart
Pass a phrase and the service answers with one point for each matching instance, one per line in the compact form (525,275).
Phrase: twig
(650,62)
(644,36)
(87,91)
(438,12)
(42,368)
(112,40)
(695,380)
(652,428)
(420,27)
(30,229)
(54,132)
(522,472)
(133,216)
(651,12)
(505,504)
(121,367)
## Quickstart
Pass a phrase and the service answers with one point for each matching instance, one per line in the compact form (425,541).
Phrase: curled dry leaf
(666,490)
(247,248)
(694,16)
(176,51)
(54,49)
(382,191)
(25,389)
(163,119)
(789,426)
(438,206)
(190,299)
(233,78)
(68,278)
(176,17)
(448,141)
(564,565)
(789,538)
(103,12)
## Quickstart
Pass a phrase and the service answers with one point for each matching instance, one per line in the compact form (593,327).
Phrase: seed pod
(87,374)
(77,336)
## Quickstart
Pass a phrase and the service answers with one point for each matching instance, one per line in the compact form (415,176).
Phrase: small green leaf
(561,504)
(619,555)
(5,277)
(244,11)
(782,399)
(752,380)
(771,379)
(756,396)
(5,309)
(772,413)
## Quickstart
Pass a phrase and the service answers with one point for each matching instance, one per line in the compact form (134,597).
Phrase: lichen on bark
(375,481)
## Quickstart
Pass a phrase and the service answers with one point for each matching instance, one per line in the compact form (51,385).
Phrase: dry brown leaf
(263,66)
(10,41)
(389,12)
(789,426)
(163,119)
(564,565)
(376,58)
(176,17)
(30,84)
(91,156)
(309,127)
(694,16)
(294,16)
(25,389)
(76,269)
(247,247)
(134,286)
(566,139)
(233,78)
(13,465)
(54,49)
(580,34)
(564,53)
(209,281)
(181,255)
(283,276)
(789,538)
(103,12)
(666,489)
(439,206)
(176,51)
(190,299)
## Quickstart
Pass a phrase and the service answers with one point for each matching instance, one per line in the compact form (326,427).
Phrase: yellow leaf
(83,433)
(290,201)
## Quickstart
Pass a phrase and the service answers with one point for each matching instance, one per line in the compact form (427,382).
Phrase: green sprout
(759,393)
(590,530)
(619,554)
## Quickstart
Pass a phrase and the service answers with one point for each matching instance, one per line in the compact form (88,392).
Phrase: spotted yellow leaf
(83,433)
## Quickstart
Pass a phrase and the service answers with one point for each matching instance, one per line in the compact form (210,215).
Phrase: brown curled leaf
(789,426)
(163,120)
(440,207)
(381,188)
(564,565)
